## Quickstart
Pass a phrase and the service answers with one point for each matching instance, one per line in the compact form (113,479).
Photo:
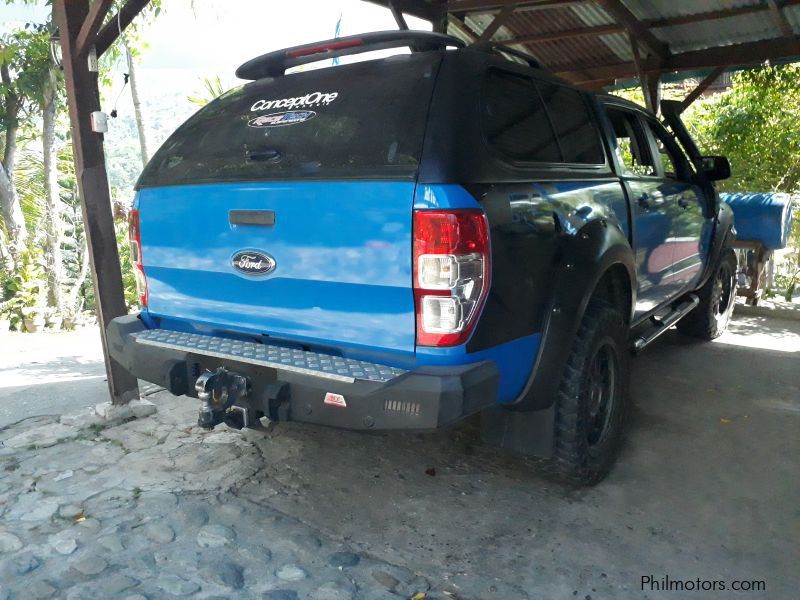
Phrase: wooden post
(83,97)
(648,81)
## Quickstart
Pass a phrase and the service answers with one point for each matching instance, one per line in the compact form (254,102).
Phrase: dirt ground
(707,488)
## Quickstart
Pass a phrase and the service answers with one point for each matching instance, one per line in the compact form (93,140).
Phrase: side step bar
(664,323)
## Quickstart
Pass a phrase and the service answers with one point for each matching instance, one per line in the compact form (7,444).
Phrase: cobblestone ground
(706,488)
(150,509)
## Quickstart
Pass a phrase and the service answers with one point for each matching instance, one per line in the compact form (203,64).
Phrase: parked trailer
(763,224)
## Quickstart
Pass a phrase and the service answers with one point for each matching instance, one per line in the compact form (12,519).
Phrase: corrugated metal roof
(793,15)
(751,23)
(658,9)
(733,30)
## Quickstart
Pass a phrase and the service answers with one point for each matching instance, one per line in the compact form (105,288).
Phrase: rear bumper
(427,398)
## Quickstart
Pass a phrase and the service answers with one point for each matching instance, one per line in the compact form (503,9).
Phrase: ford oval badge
(251,262)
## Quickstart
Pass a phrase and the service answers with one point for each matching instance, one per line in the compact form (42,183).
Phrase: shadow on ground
(706,487)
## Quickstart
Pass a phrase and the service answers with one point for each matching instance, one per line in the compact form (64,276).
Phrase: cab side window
(574,124)
(533,121)
(515,120)
(632,146)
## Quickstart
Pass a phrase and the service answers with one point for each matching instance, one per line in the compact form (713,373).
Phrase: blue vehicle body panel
(343,288)
(443,197)
(514,361)
(342,253)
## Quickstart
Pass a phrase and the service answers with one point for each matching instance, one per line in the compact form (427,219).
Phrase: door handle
(271,156)
(683,202)
(644,201)
(252,217)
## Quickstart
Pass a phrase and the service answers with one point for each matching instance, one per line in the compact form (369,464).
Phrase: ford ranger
(402,242)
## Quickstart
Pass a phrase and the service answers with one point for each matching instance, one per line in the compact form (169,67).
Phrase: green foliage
(25,288)
(755,124)
(212,89)
(128,281)
(26,53)
(29,179)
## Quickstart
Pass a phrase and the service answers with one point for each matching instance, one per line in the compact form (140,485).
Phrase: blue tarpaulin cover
(764,217)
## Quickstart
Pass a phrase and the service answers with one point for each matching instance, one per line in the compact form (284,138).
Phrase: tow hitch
(218,392)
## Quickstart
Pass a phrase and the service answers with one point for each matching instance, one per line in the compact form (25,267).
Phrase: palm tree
(137,104)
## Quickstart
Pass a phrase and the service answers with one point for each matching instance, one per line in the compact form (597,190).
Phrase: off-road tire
(584,454)
(710,318)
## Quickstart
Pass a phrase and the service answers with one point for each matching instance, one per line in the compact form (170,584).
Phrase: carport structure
(591,43)
(595,43)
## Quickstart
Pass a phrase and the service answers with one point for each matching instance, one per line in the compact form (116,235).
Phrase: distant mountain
(164,110)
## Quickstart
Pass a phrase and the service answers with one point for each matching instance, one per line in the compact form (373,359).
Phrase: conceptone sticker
(282,118)
(312,99)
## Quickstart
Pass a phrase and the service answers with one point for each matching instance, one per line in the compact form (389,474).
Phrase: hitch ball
(218,391)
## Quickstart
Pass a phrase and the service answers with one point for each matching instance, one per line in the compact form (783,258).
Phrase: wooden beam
(91,26)
(649,82)
(497,22)
(434,11)
(110,31)
(739,55)
(538,38)
(617,28)
(467,6)
(83,98)
(625,17)
(714,15)
(780,19)
(398,16)
(465,31)
(702,86)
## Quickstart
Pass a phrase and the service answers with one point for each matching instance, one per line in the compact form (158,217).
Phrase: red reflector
(133,225)
(324,48)
(135,237)
(335,400)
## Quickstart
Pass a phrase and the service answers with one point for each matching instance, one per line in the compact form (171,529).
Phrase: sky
(192,39)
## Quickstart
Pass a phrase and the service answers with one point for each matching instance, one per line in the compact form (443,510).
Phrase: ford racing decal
(282,118)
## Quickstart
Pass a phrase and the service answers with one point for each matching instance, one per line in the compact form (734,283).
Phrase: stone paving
(149,508)
(706,487)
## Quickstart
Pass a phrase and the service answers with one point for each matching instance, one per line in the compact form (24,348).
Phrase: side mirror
(715,168)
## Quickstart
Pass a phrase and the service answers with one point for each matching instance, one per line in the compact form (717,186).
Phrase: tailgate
(341,252)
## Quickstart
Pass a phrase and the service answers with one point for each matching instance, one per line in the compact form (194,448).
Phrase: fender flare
(587,256)
(724,235)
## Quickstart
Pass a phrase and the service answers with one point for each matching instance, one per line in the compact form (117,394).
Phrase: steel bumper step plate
(276,357)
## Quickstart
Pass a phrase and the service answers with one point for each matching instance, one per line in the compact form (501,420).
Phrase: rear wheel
(593,397)
(710,318)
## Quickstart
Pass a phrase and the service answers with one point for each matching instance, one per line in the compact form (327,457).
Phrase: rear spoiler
(274,64)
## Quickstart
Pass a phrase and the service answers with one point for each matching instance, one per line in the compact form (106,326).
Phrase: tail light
(135,236)
(451,274)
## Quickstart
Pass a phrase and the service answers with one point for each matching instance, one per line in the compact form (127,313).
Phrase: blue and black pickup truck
(402,242)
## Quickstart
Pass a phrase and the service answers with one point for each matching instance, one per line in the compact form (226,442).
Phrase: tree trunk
(137,105)
(9,200)
(55,228)
(73,299)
